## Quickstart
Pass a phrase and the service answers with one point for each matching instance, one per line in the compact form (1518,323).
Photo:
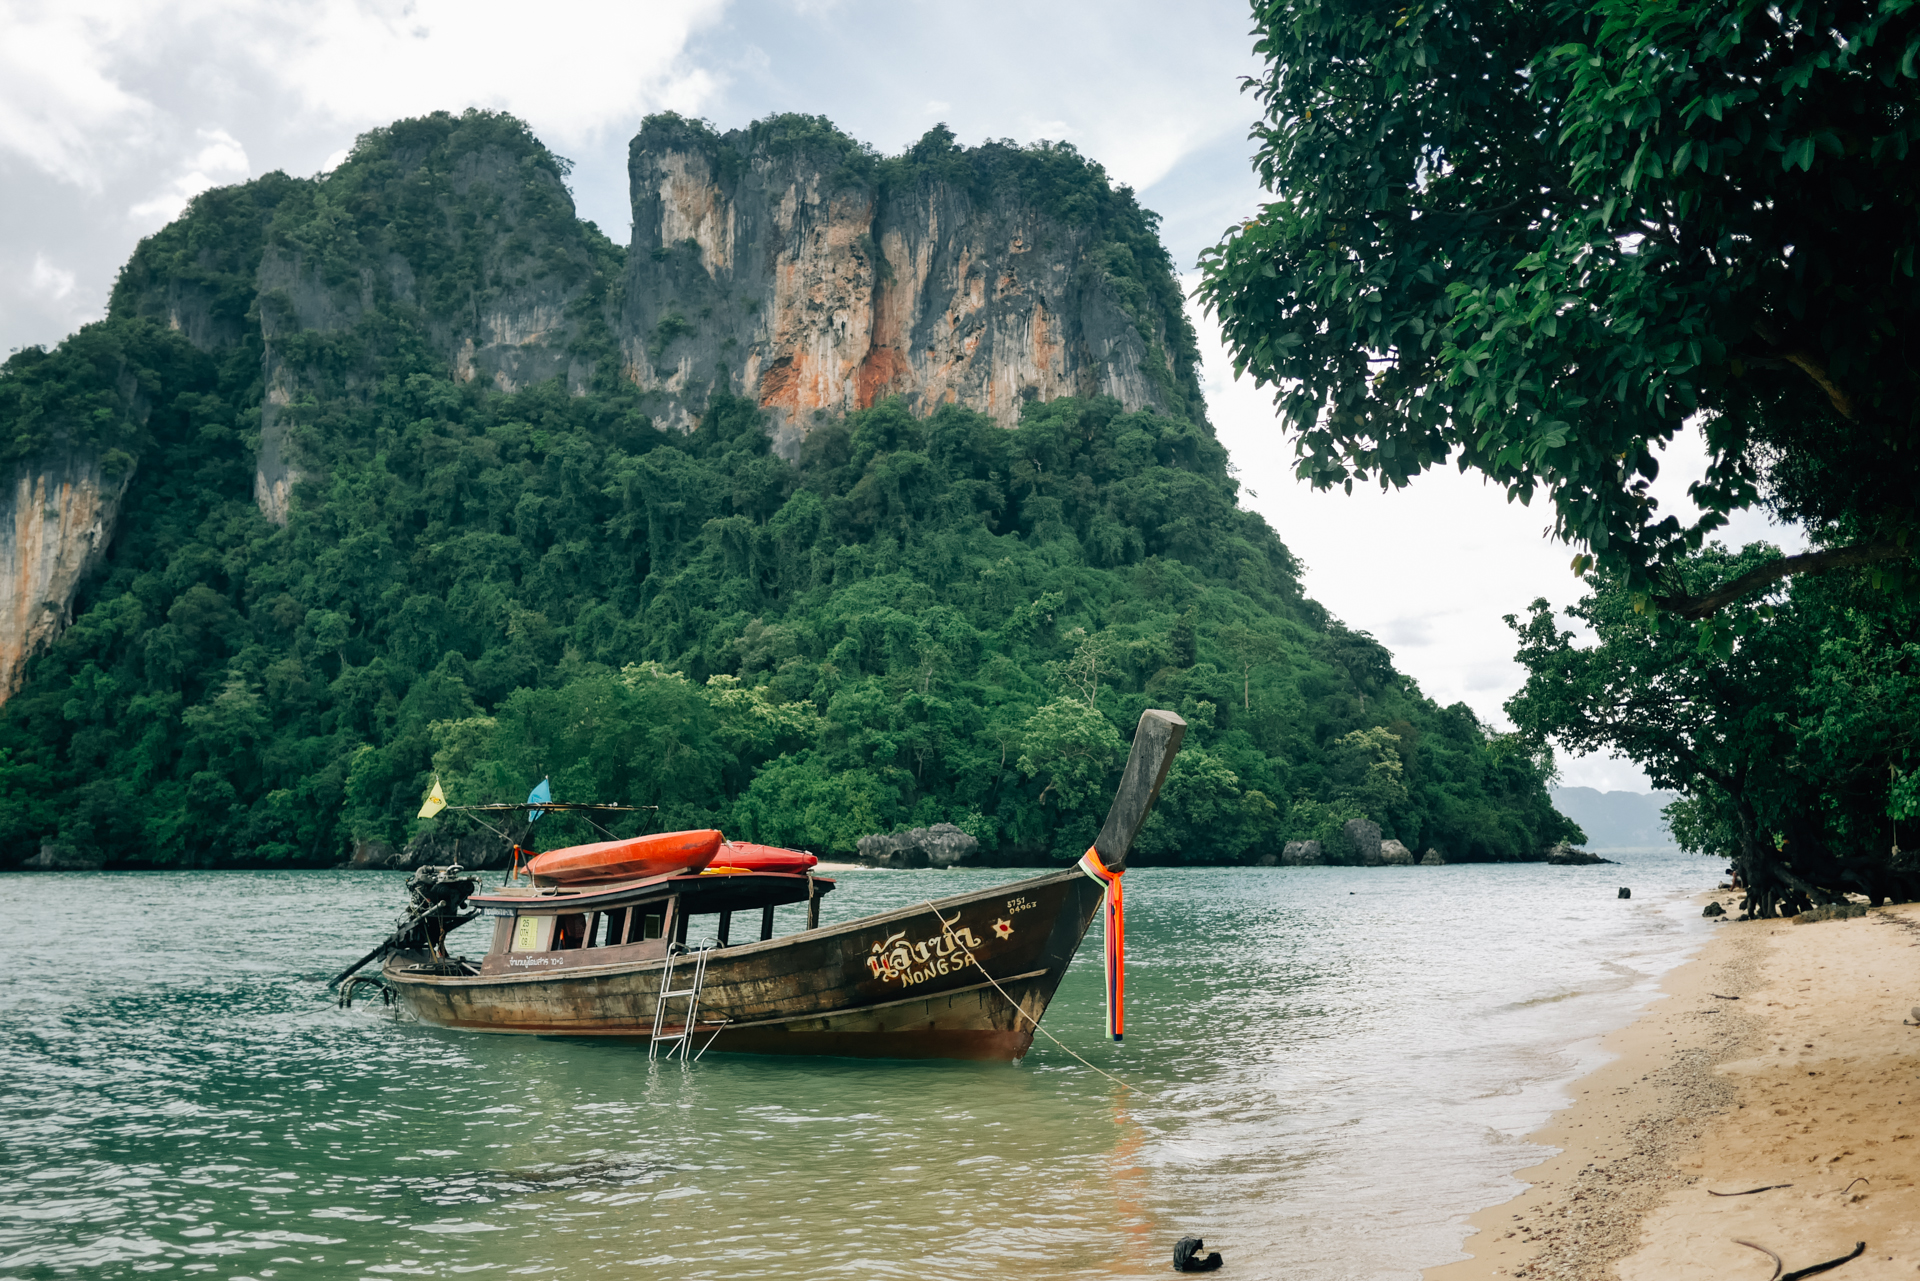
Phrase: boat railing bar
(720,1027)
(683,1038)
(503,807)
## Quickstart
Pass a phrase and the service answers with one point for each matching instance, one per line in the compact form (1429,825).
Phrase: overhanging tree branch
(1820,562)
(1804,361)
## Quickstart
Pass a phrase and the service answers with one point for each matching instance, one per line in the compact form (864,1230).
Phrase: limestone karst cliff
(57,514)
(412,493)
(473,253)
(74,426)
(785,264)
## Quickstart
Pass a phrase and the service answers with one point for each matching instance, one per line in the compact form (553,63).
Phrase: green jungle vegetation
(1791,734)
(1542,240)
(921,620)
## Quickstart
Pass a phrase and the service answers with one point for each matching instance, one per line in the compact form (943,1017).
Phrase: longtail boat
(965,976)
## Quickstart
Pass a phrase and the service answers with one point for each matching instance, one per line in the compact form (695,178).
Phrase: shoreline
(1808,1078)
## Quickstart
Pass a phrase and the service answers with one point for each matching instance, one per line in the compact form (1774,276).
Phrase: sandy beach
(1808,1079)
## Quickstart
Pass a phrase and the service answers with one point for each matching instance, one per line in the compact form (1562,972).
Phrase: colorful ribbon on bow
(1116,940)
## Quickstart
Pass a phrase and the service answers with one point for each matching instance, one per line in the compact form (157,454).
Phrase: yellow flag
(435,801)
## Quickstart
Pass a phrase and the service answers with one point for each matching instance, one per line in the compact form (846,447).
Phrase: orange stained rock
(779,384)
(1042,354)
(882,372)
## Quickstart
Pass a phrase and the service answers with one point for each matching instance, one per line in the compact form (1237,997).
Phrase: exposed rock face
(1564,855)
(56,518)
(1394,854)
(441,846)
(778,275)
(942,845)
(433,847)
(1432,858)
(373,854)
(517,332)
(1365,835)
(760,265)
(1302,854)
(55,857)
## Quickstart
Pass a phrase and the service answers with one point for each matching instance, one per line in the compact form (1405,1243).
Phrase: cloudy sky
(113,114)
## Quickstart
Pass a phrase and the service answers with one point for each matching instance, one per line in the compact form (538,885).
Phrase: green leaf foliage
(1787,723)
(1537,239)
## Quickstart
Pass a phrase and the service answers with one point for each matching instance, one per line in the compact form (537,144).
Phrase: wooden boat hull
(893,985)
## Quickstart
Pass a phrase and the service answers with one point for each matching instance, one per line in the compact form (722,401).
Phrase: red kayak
(628,860)
(748,857)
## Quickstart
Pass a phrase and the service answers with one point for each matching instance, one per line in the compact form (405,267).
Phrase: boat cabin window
(569,931)
(609,928)
(588,929)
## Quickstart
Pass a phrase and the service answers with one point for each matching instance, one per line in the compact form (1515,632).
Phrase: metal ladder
(681,1041)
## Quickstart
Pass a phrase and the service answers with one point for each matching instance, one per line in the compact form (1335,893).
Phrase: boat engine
(435,899)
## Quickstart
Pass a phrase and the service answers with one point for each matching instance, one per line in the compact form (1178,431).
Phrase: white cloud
(115,113)
(1430,570)
(1603,773)
(80,81)
(60,108)
(1141,90)
(578,66)
(221,159)
(49,281)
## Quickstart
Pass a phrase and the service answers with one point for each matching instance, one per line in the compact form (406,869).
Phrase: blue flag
(539,793)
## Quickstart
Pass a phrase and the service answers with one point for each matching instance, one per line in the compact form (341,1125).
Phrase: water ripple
(1305,1046)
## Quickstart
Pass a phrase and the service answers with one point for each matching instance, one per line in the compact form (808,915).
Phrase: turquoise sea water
(1327,1070)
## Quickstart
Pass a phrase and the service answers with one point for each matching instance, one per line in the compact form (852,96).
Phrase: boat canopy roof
(700,892)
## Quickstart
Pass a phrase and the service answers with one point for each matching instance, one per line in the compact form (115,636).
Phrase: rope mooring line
(946,928)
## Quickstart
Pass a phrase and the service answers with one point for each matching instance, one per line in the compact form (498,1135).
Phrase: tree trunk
(1768,890)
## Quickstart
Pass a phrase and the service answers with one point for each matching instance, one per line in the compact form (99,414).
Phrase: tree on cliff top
(1537,239)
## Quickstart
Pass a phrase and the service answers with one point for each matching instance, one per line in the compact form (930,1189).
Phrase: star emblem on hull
(1003,927)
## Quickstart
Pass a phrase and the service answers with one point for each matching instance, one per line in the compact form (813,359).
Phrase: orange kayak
(748,857)
(628,860)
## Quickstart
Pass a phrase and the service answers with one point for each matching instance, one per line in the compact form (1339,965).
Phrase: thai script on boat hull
(896,960)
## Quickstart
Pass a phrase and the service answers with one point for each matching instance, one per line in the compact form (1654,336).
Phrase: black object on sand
(1187,1256)
(1625,892)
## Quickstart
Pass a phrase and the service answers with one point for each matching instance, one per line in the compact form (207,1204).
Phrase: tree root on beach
(1858,1250)
(1779,1264)
(1749,1192)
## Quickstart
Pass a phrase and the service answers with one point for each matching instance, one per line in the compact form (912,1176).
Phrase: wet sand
(1808,1079)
